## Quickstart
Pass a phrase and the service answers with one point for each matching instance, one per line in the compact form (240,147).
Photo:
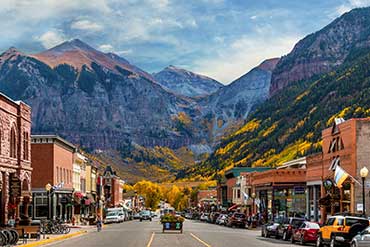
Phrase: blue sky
(219,38)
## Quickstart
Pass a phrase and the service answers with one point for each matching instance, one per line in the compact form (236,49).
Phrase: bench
(28,232)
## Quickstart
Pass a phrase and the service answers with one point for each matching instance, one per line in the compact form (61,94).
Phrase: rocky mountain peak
(269,64)
(324,50)
(185,82)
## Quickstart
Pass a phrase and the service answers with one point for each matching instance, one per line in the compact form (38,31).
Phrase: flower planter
(172,226)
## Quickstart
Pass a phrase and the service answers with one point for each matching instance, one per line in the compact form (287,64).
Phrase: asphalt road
(149,234)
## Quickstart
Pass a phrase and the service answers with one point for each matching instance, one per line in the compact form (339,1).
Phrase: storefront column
(323,209)
(315,206)
(308,202)
(352,207)
(54,206)
(5,196)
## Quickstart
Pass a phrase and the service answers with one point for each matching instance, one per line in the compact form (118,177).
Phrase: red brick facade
(15,158)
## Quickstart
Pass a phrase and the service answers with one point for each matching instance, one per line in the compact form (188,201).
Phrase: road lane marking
(201,241)
(150,240)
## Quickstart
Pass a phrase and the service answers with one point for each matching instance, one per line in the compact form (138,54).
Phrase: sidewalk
(50,238)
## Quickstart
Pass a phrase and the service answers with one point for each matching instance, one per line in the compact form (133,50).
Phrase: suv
(237,219)
(339,230)
(286,227)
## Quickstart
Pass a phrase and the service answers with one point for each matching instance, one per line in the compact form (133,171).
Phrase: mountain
(289,124)
(235,101)
(185,82)
(324,50)
(79,54)
(93,99)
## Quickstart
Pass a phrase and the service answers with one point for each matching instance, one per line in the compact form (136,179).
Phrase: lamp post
(363,173)
(253,198)
(48,188)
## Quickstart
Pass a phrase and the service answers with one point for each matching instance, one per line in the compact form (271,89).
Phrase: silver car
(362,239)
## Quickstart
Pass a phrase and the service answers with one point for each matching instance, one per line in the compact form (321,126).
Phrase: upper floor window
(13,143)
(25,146)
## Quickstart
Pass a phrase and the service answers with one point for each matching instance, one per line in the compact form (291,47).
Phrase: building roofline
(56,138)
(15,102)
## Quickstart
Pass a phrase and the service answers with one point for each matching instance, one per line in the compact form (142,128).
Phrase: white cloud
(86,25)
(253,17)
(124,52)
(243,55)
(51,38)
(351,4)
(106,48)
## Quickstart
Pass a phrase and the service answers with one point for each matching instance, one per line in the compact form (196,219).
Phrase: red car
(306,233)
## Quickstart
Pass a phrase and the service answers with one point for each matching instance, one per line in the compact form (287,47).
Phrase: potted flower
(172,222)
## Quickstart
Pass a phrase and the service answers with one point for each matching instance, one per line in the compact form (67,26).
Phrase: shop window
(41,207)
(238,193)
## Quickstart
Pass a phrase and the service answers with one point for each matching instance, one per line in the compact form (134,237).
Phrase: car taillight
(341,228)
(289,227)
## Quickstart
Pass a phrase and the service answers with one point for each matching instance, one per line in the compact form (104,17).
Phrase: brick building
(206,197)
(111,188)
(52,161)
(15,160)
(345,144)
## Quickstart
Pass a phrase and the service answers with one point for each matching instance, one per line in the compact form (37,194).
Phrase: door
(365,239)
(326,230)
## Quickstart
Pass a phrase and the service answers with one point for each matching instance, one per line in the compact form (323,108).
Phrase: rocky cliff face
(235,101)
(99,103)
(324,50)
(185,82)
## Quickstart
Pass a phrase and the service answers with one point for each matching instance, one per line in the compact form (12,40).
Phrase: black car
(286,227)
(145,215)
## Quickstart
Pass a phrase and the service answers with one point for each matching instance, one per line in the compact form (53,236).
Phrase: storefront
(280,192)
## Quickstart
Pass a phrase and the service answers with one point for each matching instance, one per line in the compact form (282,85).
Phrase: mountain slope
(93,104)
(185,82)
(235,101)
(289,124)
(324,50)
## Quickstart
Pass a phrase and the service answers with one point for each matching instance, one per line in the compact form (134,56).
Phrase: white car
(362,239)
(114,217)
(204,217)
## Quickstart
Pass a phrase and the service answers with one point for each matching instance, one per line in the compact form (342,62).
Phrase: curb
(52,240)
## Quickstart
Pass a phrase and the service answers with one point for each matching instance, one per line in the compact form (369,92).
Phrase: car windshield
(145,212)
(297,222)
(112,213)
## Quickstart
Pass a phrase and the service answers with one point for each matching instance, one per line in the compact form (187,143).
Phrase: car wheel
(319,241)
(302,241)
(332,242)
(292,239)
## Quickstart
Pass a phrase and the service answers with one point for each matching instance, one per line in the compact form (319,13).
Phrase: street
(149,234)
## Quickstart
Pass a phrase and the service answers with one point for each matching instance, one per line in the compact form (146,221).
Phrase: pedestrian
(99,223)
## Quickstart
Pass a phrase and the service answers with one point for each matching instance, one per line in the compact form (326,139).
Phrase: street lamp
(363,173)
(48,188)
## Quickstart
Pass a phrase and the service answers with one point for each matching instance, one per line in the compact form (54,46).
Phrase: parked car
(114,217)
(213,217)
(362,239)
(269,229)
(222,219)
(287,226)
(204,217)
(340,230)
(188,215)
(145,215)
(306,233)
(237,219)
